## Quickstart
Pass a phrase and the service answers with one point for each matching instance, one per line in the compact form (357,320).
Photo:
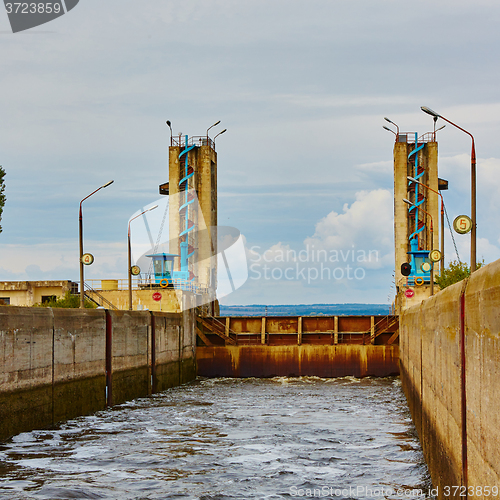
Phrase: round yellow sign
(462,224)
(435,256)
(135,270)
(87,259)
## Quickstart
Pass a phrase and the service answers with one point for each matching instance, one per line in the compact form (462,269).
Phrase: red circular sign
(409,293)
(157,296)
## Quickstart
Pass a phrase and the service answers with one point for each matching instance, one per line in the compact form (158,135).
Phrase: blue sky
(302,88)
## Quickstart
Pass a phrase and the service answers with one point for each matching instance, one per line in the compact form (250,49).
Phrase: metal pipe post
(80,235)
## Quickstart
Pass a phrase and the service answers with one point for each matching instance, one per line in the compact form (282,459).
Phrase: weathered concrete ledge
(57,364)
(450,369)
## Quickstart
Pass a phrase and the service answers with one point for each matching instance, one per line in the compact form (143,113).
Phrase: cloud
(59,261)
(366,224)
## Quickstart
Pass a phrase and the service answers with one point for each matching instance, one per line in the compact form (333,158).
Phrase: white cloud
(59,261)
(367,224)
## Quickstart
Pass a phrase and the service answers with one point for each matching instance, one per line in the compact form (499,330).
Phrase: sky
(305,165)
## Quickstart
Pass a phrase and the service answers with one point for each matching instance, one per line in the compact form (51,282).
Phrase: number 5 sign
(462,224)
(87,259)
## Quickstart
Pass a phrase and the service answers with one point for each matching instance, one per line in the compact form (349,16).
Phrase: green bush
(68,301)
(455,272)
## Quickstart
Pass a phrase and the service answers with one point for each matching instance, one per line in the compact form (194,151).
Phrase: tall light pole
(473,258)
(80,224)
(408,202)
(130,258)
(411,179)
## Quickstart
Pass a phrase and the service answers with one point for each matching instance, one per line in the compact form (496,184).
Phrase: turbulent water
(229,439)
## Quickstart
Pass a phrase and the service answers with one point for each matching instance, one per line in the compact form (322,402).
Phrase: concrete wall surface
(57,364)
(450,369)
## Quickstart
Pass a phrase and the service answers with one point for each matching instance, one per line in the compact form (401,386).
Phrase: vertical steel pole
(442,237)
(432,262)
(129,272)
(473,258)
(80,232)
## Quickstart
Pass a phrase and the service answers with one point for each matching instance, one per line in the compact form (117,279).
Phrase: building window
(48,298)
(4,301)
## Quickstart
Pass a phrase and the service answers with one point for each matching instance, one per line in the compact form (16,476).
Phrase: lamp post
(473,259)
(437,130)
(225,130)
(408,202)
(80,227)
(390,121)
(411,179)
(390,130)
(212,126)
(130,257)
(169,123)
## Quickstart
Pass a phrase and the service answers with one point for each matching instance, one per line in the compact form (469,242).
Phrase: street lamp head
(429,111)
(440,128)
(225,130)
(411,179)
(107,184)
(212,126)
(152,208)
(408,202)
(169,123)
(387,120)
(387,128)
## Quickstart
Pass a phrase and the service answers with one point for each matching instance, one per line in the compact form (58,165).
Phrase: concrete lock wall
(57,364)
(449,356)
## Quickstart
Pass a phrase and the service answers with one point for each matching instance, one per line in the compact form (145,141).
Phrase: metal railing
(409,137)
(101,301)
(408,281)
(197,140)
(144,284)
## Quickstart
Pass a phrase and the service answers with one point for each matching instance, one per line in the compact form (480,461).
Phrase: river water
(217,439)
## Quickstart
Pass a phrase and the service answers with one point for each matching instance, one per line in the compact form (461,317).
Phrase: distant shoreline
(306,310)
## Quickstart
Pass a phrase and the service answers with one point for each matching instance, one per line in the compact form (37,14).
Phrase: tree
(455,272)
(2,195)
(68,301)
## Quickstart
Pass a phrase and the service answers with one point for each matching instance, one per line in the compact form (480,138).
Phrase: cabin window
(158,269)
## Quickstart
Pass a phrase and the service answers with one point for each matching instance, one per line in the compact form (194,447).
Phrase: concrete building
(192,188)
(416,223)
(29,293)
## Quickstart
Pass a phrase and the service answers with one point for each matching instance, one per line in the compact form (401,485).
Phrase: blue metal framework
(184,213)
(417,255)
(419,200)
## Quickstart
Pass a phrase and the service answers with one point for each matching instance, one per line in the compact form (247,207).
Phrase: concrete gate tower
(416,223)
(192,190)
